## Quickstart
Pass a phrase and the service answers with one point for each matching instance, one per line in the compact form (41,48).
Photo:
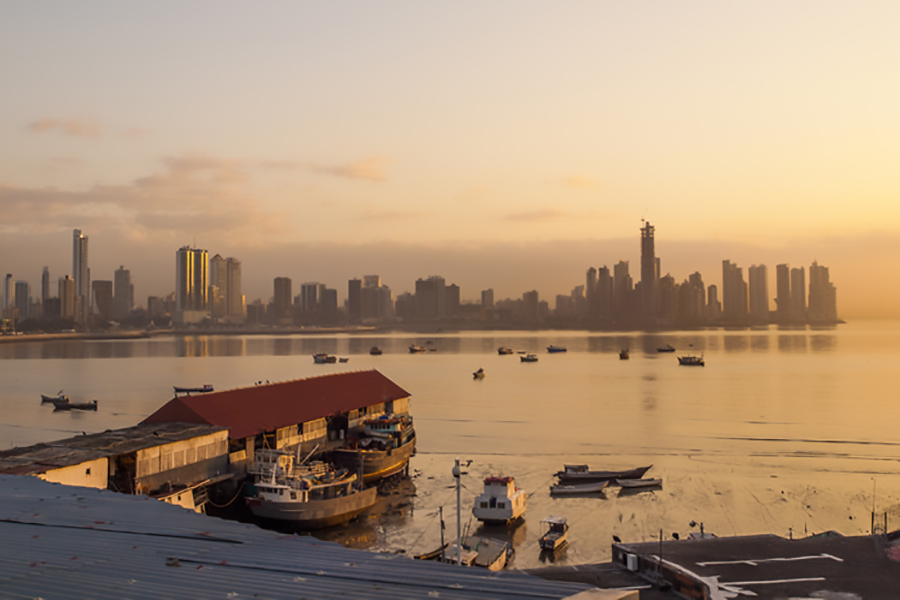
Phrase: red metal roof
(253,410)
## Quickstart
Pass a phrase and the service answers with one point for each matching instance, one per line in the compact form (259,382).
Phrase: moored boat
(483,552)
(583,474)
(623,354)
(501,501)
(638,483)
(691,361)
(204,389)
(375,351)
(414,348)
(529,358)
(504,350)
(60,397)
(556,535)
(322,358)
(479,374)
(666,348)
(578,488)
(553,349)
(382,449)
(58,405)
(343,360)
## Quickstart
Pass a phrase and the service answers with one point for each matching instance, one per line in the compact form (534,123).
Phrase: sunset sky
(499,144)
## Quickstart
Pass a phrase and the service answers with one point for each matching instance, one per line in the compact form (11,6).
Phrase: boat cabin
(500,502)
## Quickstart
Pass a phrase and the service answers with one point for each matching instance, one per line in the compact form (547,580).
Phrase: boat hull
(595,476)
(638,483)
(584,488)
(376,464)
(315,514)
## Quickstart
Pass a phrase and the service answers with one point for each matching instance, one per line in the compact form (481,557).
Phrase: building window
(87,471)
(484,505)
(501,505)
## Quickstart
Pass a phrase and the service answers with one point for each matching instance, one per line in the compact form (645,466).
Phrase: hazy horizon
(510,145)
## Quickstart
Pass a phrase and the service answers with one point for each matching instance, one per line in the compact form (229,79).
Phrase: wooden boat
(556,534)
(54,399)
(501,502)
(691,361)
(322,358)
(666,348)
(343,360)
(483,552)
(312,497)
(375,351)
(582,474)
(205,389)
(479,374)
(578,488)
(638,483)
(623,354)
(529,358)
(413,349)
(553,349)
(504,350)
(381,449)
(75,405)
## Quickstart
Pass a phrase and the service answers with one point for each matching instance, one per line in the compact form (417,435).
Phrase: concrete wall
(183,462)
(91,474)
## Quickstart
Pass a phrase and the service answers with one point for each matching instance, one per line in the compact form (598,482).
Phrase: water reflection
(759,343)
(736,343)
(822,343)
(792,343)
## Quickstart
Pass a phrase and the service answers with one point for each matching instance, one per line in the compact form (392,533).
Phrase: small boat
(322,358)
(578,488)
(479,374)
(501,501)
(556,534)
(483,552)
(691,361)
(666,348)
(623,354)
(529,358)
(375,351)
(205,389)
(343,360)
(583,474)
(380,448)
(60,397)
(638,483)
(552,349)
(413,349)
(75,405)
(504,350)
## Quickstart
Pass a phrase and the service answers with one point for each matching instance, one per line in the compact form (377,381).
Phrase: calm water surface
(784,431)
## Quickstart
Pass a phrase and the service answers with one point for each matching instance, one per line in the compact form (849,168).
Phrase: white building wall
(92,474)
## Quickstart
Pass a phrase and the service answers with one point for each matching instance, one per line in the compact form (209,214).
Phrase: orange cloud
(369,169)
(70,127)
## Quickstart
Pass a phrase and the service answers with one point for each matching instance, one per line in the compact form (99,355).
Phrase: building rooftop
(267,407)
(65,542)
(76,450)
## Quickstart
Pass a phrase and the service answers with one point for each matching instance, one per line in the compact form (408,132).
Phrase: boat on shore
(582,474)
(578,488)
(381,449)
(501,502)
(483,552)
(204,389)
(624,355)
(691,361)
(556,535)
(554,349)
(321,358)
(529,358)
(504,350)
(638,483)
(310,497)
(375,351)
(414,348)
(666,348)
(343,360)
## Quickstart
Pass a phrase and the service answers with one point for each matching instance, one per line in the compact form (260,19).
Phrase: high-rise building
(66,297)
(530,305)
(376,300)
(309,298)
(103,300)
(282,300)
(798,295)
(354,300)
(487,299)
(604,295)
(759,295)
(783,293)
(81,275)
(624,290)
(590,292)
(734,294)
(45,285)
(713,306)
(692,300)
(431,302)
(649,274)
(234,296)
(23,299)
(218,286)
(191,270)
(123,293)
(822,296)
(8,291)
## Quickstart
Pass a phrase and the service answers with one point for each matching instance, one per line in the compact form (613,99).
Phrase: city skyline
(326,146)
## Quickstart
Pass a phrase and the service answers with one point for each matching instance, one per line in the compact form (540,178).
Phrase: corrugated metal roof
(253,410)
(66,542)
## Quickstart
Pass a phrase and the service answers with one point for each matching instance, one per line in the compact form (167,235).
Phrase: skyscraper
(822,296)
(759,295)
(282,300)
(487,299)
(103,301)
(649,274)
(81,275)
(734,294)
(66,297)
(8,291)
(354,300)
(45,285)
(798,295)
(623,289)
(23,299)
(234,296)
(191,279)
(218,285)
(123,290)
(783,293)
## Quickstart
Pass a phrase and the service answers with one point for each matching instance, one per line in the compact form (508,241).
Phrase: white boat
(556,534)
(638,483)
(500,502)
(581,488)
(529,358)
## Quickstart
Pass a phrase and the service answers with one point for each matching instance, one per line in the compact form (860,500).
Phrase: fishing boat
(311,497)
(501,502)
(58,405)
(553,349)
(375,351)
(504,350)
(381,449)
(556,534)
(623,354)
(582,474)
(343,360)
(204,389)
(322,358)
(479,374)
(666,348)
(638,483)
(691,361)
(483,552)
(414,348)
(60,397)
(529,358)
(578,488)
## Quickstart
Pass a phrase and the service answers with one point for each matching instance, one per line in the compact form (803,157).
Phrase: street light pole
(456,473)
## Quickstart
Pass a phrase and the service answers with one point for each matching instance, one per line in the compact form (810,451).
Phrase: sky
(501,144)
